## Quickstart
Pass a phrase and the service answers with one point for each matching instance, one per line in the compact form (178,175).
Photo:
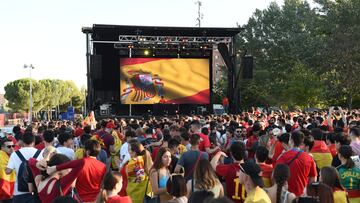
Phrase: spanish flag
(6,181)
(137,180)
(177,81)
(266,174)
(321,154)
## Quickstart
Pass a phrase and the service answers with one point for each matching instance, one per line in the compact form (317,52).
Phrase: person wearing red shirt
(261,156)
(88,183)
(281,146)
(205,144)
(320,150)
(330,141)
(225,103)
(41,145)
(230,172)
(111,187)
(48,185)
(252,140)
(302,166)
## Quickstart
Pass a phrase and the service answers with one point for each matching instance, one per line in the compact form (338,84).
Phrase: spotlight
(146,52)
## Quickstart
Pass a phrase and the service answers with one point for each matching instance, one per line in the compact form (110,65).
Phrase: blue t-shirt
(188,161)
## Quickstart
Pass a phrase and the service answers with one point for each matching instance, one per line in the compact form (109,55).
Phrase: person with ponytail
(137,172)
(330,177)
(349,173)
(278,193)
(160,173)
(112,185)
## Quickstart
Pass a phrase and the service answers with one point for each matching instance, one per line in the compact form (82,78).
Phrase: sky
(47,33)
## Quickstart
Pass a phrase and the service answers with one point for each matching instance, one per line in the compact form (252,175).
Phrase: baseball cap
(253,170)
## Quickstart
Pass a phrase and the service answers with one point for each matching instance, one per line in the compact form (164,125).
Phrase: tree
(342,52)
(18,95)
(47,95)
(297,46)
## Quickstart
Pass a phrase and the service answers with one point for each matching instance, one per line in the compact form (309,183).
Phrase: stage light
(146,52)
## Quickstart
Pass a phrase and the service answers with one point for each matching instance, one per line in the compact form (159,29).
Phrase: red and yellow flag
(6,181)
(321,154)
(178,81)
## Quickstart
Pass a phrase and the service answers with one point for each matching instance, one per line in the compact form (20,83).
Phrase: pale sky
(47,33)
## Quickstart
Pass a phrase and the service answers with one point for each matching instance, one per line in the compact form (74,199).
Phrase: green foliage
(47,94)
(220,86)
(306,57)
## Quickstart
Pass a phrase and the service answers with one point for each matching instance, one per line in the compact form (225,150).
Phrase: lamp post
(30,110)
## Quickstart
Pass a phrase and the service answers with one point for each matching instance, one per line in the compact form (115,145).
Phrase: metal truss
(166,42)
(171,39)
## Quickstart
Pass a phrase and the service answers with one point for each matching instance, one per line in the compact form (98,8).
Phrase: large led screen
(164,80)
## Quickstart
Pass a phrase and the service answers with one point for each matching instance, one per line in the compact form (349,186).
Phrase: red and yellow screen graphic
(159,80)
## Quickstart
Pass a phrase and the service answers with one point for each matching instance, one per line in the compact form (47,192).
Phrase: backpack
(24,176)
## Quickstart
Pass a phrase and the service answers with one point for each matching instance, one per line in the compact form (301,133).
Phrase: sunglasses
(10,146)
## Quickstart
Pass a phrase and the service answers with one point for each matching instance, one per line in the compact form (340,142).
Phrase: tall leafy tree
(18,95)
(341,56)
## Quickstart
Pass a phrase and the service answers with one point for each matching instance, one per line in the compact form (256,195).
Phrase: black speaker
(95,66)
(248,64)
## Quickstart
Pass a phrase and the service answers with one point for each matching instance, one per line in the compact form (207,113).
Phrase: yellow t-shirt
(340,196)
(257,195)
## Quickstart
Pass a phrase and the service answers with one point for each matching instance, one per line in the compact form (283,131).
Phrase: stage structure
(143,70)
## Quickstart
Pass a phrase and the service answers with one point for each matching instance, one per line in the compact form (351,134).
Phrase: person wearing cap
(250,177)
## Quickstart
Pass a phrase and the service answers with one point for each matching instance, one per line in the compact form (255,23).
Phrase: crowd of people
(275,157)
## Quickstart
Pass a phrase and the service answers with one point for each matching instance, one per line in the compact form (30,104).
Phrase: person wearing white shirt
(65,145)
(124,151)
(28,151)
(48,140)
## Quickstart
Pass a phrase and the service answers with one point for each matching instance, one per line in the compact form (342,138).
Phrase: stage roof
(112,32)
